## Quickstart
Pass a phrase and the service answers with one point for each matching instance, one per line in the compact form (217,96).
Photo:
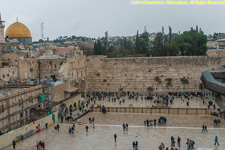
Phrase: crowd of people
(41,145)
(161,121)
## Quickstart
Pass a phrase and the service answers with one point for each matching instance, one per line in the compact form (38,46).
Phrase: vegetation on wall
(98,74)
(184,80)
(150,89)
(158,79)
(169,81)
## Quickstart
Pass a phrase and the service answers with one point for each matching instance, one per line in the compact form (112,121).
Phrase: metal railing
(153,110)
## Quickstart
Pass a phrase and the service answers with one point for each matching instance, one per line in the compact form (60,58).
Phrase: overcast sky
(92,18)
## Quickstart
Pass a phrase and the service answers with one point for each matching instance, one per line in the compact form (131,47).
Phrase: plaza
(149,138)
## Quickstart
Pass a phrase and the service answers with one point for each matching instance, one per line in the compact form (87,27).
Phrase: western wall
(156,74)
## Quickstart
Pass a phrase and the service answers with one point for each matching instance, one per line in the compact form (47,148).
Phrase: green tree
(98,49)
(158,46)
(95,50)
(190,43)
(137,44)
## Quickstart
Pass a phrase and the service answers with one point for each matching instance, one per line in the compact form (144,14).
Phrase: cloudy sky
(92,18)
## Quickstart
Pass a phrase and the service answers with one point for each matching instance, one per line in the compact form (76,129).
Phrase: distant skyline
(91,18)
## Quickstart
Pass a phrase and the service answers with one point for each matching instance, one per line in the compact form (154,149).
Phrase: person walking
(115,136)
(127,127)
(86,128)
(14,144)
(216,141)
(57,127)
(46,125)
(134,145)
(73,128)
(124,126)
(178,141)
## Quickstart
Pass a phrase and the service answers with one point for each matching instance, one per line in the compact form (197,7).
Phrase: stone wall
(163,74)
(49,67)
(8,72)
(59,93)
(28,69)
(73,68)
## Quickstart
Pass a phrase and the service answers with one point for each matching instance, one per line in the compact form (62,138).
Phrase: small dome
(18,30)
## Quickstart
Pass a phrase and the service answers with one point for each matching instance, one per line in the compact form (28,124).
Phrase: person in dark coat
(57,127)
(14,144)
(115,136)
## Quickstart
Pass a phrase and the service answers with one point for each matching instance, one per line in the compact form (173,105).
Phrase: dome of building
(17,30)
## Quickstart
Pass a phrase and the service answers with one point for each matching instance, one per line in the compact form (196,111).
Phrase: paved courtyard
(149,138)
(178,103)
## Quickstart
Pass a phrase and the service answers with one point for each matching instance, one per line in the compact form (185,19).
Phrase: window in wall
(13,72)
(25,75)
(2,108)
(21,115)
(7,75)
(81,73)
(3,76)
(55,65)
(77,74)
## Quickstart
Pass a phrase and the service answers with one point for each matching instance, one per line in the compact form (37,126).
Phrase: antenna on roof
(42,31)
(16,19)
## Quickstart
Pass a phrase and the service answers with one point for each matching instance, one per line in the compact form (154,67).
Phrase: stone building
(16,104)
(2,27)
(220,44)
(49,64)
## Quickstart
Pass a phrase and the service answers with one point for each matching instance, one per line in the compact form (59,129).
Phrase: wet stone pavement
(149,138)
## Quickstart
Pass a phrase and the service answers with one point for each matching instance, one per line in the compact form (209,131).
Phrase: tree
(190,43)
(158,47)
(98,50)
(137,44)
(95,49)
(142,44)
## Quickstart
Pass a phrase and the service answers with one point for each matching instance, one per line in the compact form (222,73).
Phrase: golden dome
(17,30)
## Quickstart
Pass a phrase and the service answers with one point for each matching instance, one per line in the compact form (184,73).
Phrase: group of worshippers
(72,129)
(204,128)
(135,145)
(125,127)
(162,146)
(190,144)
(216,121)
(40,145)
(161,121)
